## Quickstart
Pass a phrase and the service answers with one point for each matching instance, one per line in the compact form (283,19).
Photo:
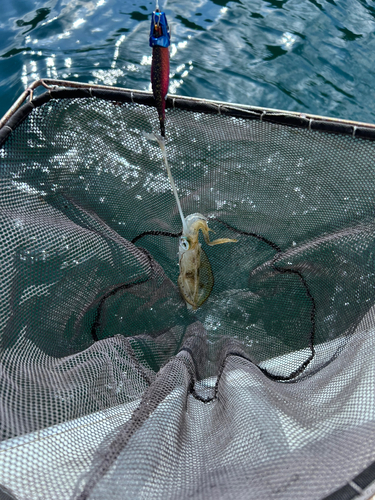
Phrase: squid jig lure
(160,40)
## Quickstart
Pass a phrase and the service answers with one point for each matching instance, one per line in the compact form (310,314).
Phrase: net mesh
(110,386)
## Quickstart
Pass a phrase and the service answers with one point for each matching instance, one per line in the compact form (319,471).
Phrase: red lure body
(160,81)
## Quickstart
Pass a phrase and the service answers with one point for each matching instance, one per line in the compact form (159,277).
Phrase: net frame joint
(356,487)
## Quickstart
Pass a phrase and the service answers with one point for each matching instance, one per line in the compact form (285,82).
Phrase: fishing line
(161,142)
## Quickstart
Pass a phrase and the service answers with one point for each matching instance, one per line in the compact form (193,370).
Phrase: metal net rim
(60,89)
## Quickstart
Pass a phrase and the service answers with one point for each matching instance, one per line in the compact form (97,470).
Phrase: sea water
(313,56)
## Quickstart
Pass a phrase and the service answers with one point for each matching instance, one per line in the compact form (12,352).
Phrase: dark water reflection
(307,55)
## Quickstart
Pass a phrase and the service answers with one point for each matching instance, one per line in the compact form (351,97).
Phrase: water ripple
(311,55)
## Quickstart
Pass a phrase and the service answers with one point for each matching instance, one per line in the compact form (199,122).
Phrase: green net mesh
(110,386)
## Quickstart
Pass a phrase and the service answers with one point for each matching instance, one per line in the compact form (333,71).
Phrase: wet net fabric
(110,386)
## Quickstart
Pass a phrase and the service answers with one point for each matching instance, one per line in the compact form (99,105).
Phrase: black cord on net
(281,270)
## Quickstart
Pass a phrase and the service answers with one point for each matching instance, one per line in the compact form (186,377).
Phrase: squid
(196,280)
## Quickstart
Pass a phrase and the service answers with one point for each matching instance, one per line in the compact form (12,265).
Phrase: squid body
(196,280)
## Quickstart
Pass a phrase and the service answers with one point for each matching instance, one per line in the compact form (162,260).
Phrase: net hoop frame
(61,89)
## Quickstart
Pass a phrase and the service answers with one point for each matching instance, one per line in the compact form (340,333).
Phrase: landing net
(111,387)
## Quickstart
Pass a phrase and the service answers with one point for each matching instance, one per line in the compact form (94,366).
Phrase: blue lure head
(159,33)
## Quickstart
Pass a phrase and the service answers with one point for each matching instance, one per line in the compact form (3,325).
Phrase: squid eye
(184,244)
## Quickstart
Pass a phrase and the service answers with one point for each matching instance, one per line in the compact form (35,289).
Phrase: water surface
(312,56)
